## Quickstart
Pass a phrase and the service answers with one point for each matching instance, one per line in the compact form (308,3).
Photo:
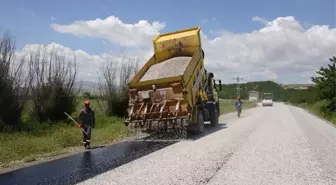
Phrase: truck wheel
(214,117)
(200,123)
(198,127)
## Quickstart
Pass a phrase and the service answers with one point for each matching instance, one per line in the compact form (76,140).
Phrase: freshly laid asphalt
(82,166)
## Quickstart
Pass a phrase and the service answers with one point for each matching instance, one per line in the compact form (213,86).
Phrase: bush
(52,92)
(117,105)
(14,85)
(308,96)
(87,95)
(113,86)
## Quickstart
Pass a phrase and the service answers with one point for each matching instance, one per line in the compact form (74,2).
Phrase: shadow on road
(82,166)
(208,129)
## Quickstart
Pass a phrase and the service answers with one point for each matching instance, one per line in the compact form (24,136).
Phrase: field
(47,140)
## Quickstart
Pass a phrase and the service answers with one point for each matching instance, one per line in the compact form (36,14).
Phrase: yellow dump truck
(173,89)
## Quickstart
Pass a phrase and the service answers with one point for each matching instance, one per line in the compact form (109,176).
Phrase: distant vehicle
(267,100)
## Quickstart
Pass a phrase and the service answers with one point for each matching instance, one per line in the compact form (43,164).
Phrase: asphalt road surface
(79,167)
(266,145)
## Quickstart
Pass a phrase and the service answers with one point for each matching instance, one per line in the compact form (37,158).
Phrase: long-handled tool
(75,122)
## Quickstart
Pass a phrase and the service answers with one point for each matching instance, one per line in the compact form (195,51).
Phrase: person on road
(239,101)
(239,105)
(87,122)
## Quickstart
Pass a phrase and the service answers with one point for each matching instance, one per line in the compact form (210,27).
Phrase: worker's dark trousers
(86,138)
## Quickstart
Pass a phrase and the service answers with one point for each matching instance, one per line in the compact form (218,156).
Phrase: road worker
(239,105)
(87,122)
(239,102)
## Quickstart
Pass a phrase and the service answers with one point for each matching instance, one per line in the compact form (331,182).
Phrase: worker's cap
(87,102)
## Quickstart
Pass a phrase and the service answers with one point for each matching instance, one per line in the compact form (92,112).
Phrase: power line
(238,79)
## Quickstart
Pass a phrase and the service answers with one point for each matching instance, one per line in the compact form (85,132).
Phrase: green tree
(326,85)
(229,90)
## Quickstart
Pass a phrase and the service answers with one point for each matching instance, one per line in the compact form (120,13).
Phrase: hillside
(229,90)
(297,86)
(280,93)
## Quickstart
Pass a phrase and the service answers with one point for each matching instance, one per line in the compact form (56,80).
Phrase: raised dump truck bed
(170,87)
(180,44)
(169,68)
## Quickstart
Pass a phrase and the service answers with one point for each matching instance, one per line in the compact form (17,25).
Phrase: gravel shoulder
(267,145)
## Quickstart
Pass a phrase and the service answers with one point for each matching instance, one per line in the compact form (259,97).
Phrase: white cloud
(52,18)
(89,66)
(259,19)
(114,30)
(282,50)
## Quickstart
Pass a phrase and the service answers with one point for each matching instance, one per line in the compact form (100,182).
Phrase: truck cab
(211,87)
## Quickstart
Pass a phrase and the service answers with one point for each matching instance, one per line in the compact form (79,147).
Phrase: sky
(283,41)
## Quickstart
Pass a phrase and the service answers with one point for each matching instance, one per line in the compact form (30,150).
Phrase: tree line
(323,92)
(279,93)
(39,85)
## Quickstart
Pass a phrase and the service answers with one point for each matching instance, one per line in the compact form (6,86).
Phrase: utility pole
(238,79)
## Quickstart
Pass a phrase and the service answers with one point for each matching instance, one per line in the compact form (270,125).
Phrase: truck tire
(214,117)
(200,123)
(198,127)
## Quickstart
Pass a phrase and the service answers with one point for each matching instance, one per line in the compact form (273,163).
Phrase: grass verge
(316,109)
(227,106)
(46,140)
